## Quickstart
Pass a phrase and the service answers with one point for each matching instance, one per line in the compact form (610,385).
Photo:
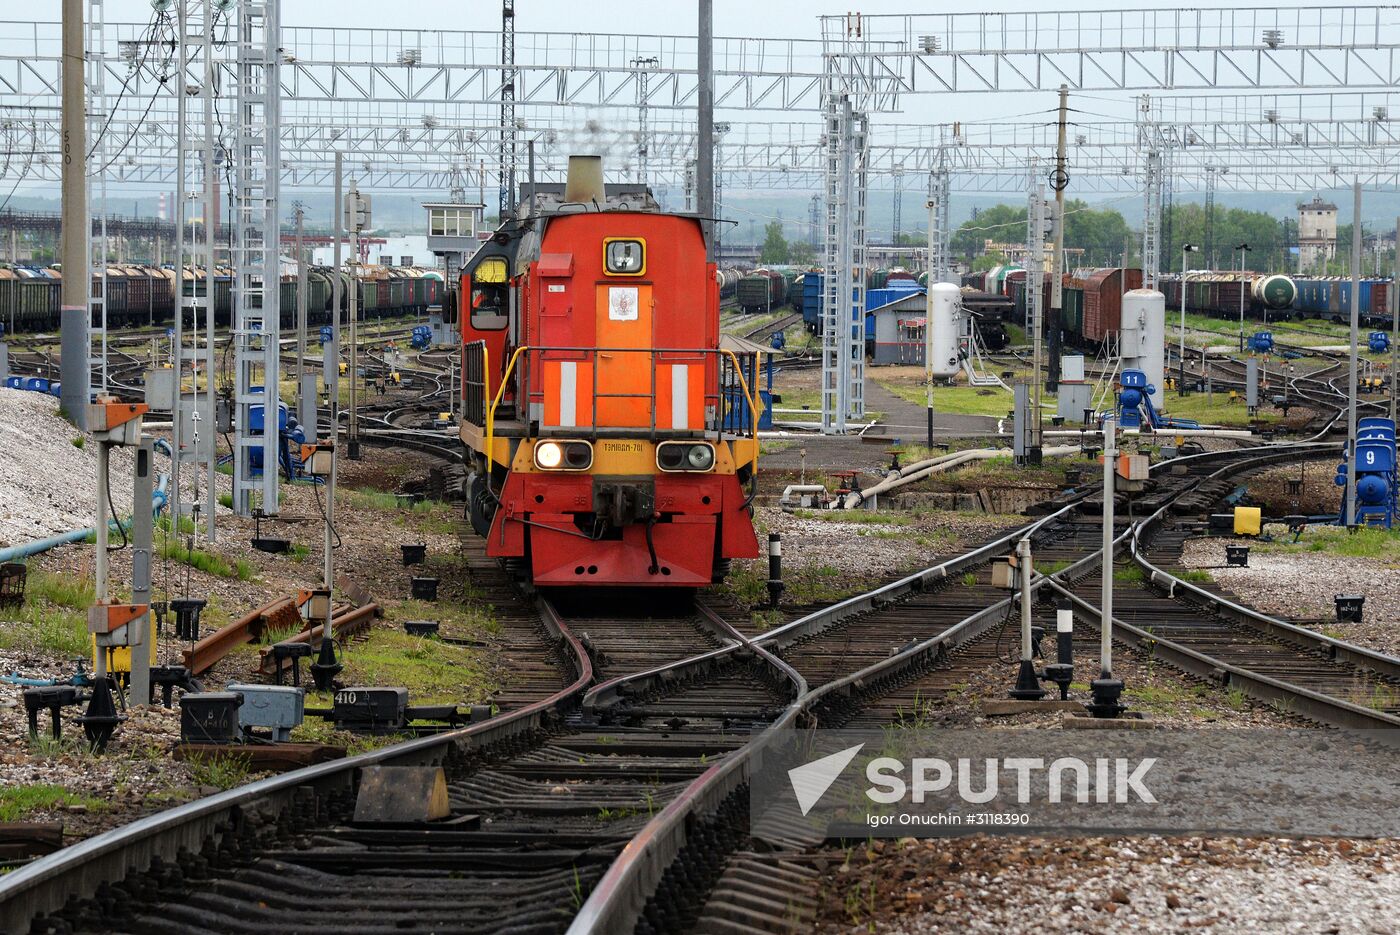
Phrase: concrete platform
(1007,706)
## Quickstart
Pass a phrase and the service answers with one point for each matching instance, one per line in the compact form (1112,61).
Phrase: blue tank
(1377,484)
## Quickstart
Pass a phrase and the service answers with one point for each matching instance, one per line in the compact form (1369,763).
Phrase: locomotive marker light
(1027,683)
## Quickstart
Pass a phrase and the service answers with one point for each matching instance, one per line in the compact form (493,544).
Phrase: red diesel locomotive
(608,432)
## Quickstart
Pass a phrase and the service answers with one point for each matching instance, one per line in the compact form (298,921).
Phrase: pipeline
(921,469)
(77,535)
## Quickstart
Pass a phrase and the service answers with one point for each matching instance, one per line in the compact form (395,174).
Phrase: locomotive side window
(624,256)
(490,294)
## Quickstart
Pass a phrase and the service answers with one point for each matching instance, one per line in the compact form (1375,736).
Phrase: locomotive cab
(598,406)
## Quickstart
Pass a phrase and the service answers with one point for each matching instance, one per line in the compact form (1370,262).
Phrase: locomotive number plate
(622,447)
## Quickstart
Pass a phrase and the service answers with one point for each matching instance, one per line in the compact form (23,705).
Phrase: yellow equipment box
(1248,521)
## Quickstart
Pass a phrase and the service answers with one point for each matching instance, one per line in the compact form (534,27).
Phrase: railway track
(781,323)
(608,793)
(1307,674)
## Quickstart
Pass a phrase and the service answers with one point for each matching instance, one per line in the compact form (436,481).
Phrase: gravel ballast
(47,483)
(1299,585)
(1147,885)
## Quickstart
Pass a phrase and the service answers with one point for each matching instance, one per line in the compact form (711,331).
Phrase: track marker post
(1107,689)
(1027,680)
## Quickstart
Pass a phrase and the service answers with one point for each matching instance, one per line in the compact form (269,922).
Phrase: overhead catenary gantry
(423,108)
(874,63)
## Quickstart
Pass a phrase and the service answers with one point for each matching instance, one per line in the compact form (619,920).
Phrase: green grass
(299,552)
(959,400)
(19,801)
(800,399)
(433,672)
(1380,544)
(813,584)
(1130,574)
(222,771)
(1216,408)
(1165,696)
(226,500)
(207,562)
(79,441)
(1196,576)
(54,616)
(364,498)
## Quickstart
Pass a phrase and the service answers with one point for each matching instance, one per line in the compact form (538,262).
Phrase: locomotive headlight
(700,457)
(685,456)
(563,455)
(549,455)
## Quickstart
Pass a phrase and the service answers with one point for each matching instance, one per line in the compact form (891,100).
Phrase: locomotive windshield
(490,293)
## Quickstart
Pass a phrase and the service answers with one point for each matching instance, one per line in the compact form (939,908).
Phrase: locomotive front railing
(730,388)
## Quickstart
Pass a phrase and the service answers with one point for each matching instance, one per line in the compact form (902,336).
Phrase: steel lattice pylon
(508,129)
(257,315)
(940,231)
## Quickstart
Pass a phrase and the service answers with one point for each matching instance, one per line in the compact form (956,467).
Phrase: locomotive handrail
(749,395)
(496,401)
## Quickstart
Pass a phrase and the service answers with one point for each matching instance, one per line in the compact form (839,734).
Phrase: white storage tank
(945,324)
(1144,337)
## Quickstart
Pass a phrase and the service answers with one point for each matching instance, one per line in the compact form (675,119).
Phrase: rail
(44,886)
(617,901)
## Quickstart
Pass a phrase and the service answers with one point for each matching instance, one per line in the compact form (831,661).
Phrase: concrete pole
(330,356)
(1057,302)
(74,349)
(928,331)
(353,435)
(705,142)
(301,308)
(1241,301)
(1350,517)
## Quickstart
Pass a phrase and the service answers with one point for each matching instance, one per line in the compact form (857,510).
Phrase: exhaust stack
(585,180)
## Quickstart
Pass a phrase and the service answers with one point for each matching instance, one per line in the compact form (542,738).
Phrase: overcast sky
(767,18)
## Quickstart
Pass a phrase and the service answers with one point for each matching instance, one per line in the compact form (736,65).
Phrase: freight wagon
(145,295)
